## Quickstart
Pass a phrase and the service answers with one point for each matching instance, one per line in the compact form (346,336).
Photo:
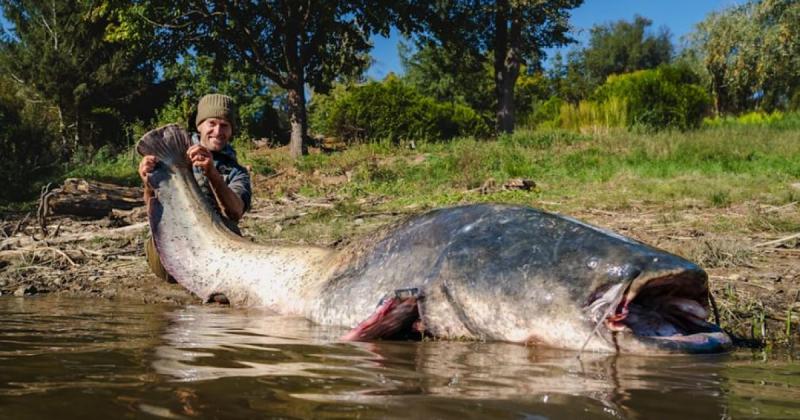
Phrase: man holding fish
(221,178)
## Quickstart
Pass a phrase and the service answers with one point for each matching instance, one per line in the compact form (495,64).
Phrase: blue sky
(679,16)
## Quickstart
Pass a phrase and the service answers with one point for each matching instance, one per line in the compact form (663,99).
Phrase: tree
(508,33)
(613,48)
(624,47)
(751,55)
(568,78)
(295,44)
(61,52)
(447,75)
(26,142)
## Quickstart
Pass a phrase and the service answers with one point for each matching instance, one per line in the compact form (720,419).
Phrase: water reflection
(202,345)
(69,358)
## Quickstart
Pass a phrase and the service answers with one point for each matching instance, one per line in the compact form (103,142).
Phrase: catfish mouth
(666,313)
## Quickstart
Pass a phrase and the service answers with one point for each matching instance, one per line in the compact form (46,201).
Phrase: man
(221,178)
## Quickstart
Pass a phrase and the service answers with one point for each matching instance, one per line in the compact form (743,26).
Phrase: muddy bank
(754,273)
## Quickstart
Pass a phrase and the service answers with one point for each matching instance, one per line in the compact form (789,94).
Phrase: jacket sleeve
(239,182)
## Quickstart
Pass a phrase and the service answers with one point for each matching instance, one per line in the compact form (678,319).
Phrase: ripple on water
(69,358)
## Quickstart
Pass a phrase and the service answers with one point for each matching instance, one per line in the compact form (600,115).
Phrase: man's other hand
(201,158)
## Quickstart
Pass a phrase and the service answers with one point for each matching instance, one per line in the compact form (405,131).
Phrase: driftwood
(123,232)
(79,197)
(70,253)
(779,241)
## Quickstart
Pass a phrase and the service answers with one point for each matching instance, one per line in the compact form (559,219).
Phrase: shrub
(667,97)
(392,110)
(26,148)
(545,114)
(777,119)
(594,116)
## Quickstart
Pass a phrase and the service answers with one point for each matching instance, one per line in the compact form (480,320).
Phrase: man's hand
(229,203)
(201,158)
(147,165)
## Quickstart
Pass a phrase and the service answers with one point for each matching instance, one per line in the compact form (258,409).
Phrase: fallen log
(79,197)
(123,232)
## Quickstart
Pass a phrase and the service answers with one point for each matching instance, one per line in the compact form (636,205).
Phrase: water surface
(72,358)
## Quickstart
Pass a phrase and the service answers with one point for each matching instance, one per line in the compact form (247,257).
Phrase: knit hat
(216,105)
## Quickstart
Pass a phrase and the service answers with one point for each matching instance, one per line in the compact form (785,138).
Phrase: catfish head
(554,281)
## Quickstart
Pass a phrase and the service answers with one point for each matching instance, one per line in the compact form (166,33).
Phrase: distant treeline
(86,78)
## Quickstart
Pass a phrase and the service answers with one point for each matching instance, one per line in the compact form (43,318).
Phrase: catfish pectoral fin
(394,317)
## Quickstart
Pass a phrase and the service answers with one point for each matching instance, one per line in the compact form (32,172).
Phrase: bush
(392,110)
(777,119)
(594,116)
(26,148)
(545,114)
(667,97)
(109,166)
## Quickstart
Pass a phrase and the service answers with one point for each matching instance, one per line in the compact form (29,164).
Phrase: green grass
(120,169)
(717,167)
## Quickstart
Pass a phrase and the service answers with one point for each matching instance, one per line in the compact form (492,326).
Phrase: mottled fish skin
(496,272)
(486,271)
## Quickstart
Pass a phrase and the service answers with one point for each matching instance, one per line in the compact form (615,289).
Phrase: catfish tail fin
(168,143)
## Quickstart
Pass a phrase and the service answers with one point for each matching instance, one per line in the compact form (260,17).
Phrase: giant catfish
(482,272)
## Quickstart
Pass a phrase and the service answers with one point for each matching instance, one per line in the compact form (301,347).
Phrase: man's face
(215,133)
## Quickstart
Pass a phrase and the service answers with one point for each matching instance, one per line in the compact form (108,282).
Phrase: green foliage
(773,120)
(394,111)
(294,44)
(530,89)
(106,166)
(26,146)
(751,55)
(64,54)
(667,97)
(567,77)
(494,32)
(448,75)
(624,47)
(613,48)
(545,113)
(592,116)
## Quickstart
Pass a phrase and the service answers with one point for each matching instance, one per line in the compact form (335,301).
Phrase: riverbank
(725,199)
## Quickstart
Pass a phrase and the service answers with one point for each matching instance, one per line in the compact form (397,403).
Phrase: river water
(70,358)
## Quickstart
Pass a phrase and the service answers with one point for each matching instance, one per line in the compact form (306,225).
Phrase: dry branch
(122,232)
(779,241)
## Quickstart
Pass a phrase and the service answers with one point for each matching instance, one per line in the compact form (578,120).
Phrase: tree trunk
(506,68)
(297,119)
(296,86)
(505,105)
(715,93)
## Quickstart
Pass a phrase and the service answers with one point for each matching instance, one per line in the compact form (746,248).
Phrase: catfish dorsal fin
(168,143)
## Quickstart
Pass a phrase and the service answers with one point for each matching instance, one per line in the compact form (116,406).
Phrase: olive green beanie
(216,105)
